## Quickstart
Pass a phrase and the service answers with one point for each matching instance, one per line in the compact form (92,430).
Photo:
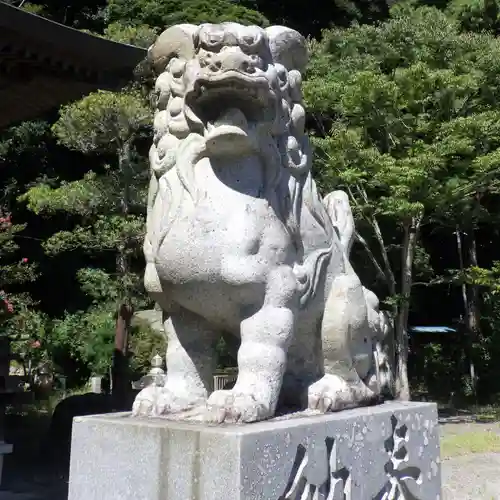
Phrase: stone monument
(239,243)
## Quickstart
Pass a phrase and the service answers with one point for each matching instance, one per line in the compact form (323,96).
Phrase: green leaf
(102,121)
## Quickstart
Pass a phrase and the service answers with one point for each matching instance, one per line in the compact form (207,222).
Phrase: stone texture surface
(387,452)
(239,241)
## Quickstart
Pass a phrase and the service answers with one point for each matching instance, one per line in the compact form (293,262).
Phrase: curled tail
(313,268)
(338,208)
(378,325)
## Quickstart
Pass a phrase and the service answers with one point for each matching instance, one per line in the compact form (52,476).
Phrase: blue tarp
(431,329)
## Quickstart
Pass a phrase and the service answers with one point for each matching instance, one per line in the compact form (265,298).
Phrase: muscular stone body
(238,241)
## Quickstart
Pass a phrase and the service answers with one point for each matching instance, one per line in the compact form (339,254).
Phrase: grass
(482,434)
(490,413)
(466,443)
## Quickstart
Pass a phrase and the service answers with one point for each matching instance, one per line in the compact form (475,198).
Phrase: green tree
(79,14)
(140,35)
(476,15)
(384,99)
(27,330)
(14,271)
(164,13)
(470,146)
(18,318)
(322,14)
(109,201)
(484,347)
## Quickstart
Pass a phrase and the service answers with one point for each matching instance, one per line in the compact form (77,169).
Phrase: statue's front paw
(236,406)
(333,393)
(146,403)
(156,401)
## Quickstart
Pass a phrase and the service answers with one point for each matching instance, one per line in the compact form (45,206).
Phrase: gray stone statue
(239,242)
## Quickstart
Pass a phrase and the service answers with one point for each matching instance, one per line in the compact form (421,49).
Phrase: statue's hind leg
(347,335)
(190,366)
(265,338)
(347,348)
(304,362)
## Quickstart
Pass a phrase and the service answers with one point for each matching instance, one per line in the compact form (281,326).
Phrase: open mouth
(212,97)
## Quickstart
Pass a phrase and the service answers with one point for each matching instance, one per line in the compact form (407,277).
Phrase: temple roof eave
(44,64)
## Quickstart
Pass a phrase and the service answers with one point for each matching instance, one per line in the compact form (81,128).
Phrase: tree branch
(389,274)
(372,257)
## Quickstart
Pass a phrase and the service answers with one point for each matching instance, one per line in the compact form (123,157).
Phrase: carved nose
(234,60)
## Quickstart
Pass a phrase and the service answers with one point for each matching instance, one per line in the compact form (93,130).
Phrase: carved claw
(146,402)
(234,407)
(154,401)
(333,393)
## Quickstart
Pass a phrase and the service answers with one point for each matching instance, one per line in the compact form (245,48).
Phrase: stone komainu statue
(238,240)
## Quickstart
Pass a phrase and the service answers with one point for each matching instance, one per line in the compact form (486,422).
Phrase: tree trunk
(471,315)
(390,280)
(120,381)
(411,230)
(474,317)
(120,375)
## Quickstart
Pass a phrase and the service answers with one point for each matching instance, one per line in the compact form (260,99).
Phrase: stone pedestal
(96,385)
(388,451)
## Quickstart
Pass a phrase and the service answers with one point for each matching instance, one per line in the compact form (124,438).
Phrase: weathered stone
(388,451)
(239,241)
(155,377)
(96,385)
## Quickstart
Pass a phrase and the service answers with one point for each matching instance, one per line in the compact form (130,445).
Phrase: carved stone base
(390,451)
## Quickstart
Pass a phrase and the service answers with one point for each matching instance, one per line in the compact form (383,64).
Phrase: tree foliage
(476,15)
(404,123)
(164,13)
(140,35)
(14,271)
(102,121)
(110,204)
(402,111)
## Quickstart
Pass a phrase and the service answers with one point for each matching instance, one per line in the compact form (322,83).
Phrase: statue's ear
(288,47)
(176,41)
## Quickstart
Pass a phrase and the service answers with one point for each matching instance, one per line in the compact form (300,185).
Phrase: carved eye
(251,40)
(248,40)
(212,40)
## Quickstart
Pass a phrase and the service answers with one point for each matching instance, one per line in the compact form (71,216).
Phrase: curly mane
(284,150)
